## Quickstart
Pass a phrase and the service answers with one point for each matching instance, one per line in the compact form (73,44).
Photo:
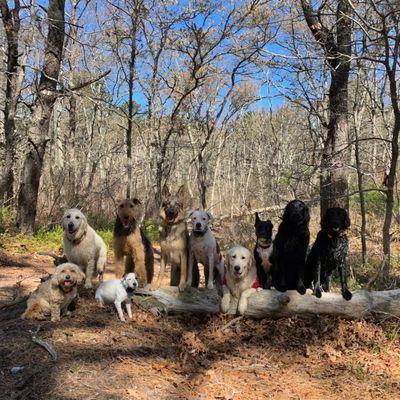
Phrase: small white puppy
(83,246)
(240,280)
(203,247)
(118,291)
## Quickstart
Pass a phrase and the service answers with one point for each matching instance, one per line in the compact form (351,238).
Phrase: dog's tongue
(125,224)
(67,283)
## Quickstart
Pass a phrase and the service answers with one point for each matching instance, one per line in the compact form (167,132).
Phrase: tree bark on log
(271,303)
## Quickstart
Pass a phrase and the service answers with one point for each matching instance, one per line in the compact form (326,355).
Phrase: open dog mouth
(68,283)
(238,273)
(125,223)
(72,230)
(130,289)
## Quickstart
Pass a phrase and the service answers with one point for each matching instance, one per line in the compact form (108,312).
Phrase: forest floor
(186,356)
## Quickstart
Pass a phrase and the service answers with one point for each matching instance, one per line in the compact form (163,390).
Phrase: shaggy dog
(290,248)
(83,246)
(329,252)
(204,249)
(174,241)
(240,280)
(118,291)
(129,241)
(263,251)
(52,297)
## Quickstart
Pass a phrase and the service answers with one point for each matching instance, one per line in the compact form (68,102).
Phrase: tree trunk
(271,303)
(42,110)
(11,23)
(333,178)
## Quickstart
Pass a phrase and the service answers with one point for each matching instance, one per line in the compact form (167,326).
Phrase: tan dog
(83,246)
(131,242)
(174,241)
(52,297)
(240,280)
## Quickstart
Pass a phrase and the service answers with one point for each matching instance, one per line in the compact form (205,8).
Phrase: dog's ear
(180,194)
(210,217)
(55,277)
(257,219)
(136,201)
(165,193)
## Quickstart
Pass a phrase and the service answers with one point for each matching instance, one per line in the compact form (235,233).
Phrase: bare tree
(336,43)
(46,96)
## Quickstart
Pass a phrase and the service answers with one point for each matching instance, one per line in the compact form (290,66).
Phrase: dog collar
(341,234)
(79,239)
(255,285)
(264,247)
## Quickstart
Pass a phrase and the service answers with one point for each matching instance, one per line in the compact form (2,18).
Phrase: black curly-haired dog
(290,248)
(329,252)
(263,251)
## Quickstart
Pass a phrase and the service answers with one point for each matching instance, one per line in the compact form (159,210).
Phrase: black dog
(290,248)
(329,252)
(263,250)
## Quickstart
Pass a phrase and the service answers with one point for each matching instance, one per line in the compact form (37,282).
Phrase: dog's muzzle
(237,270)
(71,228)
(262,242)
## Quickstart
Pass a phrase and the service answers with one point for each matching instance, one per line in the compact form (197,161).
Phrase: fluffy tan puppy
(52,297)
(83,246)
(240,280)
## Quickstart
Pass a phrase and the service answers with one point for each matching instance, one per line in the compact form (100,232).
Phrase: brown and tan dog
(130,242)
(174,240)
(53,296)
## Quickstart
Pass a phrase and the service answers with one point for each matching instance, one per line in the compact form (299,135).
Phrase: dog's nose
(67,277)
(70,225)
(198,225)
(236,268)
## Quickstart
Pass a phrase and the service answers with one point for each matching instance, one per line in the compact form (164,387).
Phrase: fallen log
(271,303)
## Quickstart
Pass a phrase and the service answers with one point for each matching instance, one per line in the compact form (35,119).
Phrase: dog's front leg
(90,270)
(119,310)
(226,299)
(300,280)
(343,282)
(210,284)
(156,283)
(128,308)
(243,301)
(119,265)
(317,280)
(190,269)
(55,313)
(184,268)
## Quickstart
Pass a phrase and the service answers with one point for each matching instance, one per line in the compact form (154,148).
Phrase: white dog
(240,280)
(83,246)
(118,291)
(203,247)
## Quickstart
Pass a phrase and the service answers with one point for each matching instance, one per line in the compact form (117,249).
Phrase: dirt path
(188,357)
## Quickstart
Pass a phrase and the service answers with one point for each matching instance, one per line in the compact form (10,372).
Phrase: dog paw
(318,292)
(242,307)
(210,286)
(189,283)
(182,286)
(55,319)
(347,295)
(260,289)
(225,303)
(88,285)
(301,289)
